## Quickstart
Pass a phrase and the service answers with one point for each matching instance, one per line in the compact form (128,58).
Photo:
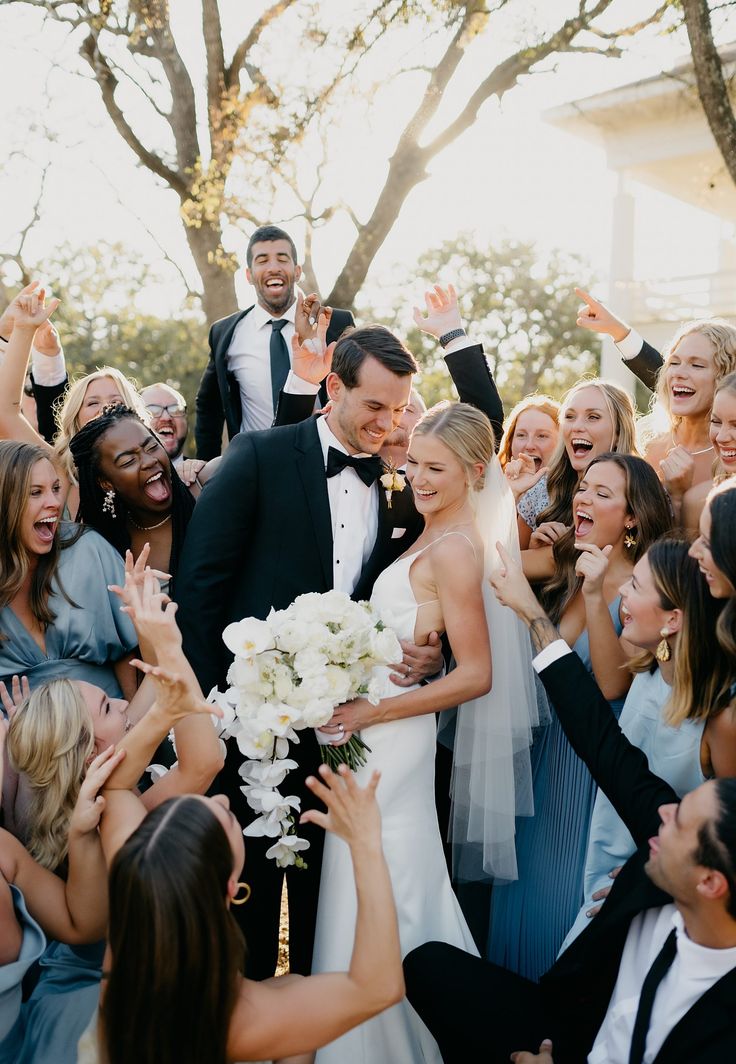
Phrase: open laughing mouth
(580,446)
(156,488)
(583,523)
(682,391)
(46,528)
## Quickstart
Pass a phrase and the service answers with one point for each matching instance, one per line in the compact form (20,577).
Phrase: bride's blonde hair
(464,429)
(50,740)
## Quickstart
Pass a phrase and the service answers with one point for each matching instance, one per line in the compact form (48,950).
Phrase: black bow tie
(368,469)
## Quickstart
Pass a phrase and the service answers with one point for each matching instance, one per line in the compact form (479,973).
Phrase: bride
(438,586)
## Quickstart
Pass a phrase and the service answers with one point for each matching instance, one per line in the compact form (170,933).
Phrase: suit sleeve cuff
(48,372)
(630,346)
(298,386)
(459,344)
(550,655)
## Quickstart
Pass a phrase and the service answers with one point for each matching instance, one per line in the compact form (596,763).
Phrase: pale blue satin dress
(88,636)
(673,755)
(530,917)
(45,1028)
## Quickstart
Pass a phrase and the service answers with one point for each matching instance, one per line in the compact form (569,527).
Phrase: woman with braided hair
(129,491)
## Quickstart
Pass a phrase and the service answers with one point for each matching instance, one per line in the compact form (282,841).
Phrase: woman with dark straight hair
(174,993)
(715,552)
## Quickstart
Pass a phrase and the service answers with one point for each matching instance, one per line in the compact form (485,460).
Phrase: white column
(621,278)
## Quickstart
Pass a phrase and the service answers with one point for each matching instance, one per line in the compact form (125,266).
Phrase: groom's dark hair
(355,345)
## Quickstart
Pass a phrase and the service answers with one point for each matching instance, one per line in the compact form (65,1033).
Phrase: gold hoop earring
(246,895)
(663,651)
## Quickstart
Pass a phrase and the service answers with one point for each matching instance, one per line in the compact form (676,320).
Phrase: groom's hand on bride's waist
(419,663)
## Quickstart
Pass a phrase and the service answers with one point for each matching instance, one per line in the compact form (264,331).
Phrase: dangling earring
(108,504)
(663,651)
(246,895)
(630,539)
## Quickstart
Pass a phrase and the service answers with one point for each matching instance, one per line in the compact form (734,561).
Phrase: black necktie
(368,469)
(662,964)
(280,362)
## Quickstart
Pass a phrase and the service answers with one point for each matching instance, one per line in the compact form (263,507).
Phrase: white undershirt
(354,513)
(47,371)
(249,358)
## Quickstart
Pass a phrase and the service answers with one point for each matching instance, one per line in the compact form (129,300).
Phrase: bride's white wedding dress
(404,752)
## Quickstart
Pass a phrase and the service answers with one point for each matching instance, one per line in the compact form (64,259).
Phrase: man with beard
(250,351)
(168,412)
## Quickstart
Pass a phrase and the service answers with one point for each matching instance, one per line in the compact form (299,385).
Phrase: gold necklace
(692,454)
(149,528)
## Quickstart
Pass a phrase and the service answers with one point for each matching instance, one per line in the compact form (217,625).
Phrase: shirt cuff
(459,344)
(631,345)
(298,386)
(48,372)
(550,654)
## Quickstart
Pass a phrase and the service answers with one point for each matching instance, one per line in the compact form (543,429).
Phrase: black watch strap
(453,334)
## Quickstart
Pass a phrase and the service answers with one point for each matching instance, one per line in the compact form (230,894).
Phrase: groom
(293,510)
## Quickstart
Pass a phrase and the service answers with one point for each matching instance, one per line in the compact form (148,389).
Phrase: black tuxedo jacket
(46,400)
(218,397)
(578,987)
(646,365)
(261,534)
(470,374)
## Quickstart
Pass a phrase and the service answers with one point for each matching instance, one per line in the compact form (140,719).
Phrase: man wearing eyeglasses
(167,410)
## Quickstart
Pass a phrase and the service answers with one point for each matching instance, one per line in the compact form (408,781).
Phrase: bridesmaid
(619,509)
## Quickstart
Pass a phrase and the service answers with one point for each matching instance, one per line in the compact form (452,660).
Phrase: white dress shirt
(630,346)
(249,357)
(354,513)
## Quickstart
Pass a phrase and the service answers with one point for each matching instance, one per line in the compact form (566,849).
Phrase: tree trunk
(712,87)
(218,282)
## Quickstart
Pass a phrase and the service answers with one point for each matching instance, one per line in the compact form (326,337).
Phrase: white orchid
(267,773)
(284,852)
(248,637)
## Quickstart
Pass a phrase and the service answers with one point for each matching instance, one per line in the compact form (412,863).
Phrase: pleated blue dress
(531,916)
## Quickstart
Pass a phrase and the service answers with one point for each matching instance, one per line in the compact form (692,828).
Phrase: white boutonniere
(392,481)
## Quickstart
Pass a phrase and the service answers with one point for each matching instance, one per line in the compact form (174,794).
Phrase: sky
(512,175)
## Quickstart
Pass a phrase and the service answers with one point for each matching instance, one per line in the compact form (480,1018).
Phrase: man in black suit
(278,520)
(250,351)
(654,975)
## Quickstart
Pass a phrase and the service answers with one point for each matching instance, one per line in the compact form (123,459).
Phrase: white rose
(317,712)
(340,686)
(310,662)
(385,647)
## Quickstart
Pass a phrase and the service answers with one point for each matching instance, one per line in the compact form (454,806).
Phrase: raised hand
(512,587)
(677,471)
(20,689)
(312,359)
(352,811)
(442,312)
(30,309)
(176,696)
(592,565)
(190,469)
(7,318)
(522,474)
(306,318)
(90,804)
(596,317)
(151,611)
(547,534)
(46,341)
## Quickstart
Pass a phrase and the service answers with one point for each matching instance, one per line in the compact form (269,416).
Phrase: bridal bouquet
(289,673)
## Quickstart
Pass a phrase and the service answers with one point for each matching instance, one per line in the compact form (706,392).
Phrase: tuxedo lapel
(311,465)
(229,388)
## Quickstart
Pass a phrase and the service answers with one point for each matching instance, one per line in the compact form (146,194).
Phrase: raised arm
(29,310)
(75,911)
(322,1007)
(466,362)
(620,769)
(641,358)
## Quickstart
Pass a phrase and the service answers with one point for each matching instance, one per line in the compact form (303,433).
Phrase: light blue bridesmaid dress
(46,1027)
(531,916)
(673,754)
(89,634)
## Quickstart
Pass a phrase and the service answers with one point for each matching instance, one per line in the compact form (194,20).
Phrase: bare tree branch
(232,73)
(711,83)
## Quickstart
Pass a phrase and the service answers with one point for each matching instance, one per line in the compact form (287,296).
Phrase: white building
(655,133)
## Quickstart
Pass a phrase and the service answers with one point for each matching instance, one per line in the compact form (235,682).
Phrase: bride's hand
(351,717)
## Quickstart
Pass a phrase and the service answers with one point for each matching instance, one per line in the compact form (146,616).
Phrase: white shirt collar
(701,962)
(328,439)
(262,317)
